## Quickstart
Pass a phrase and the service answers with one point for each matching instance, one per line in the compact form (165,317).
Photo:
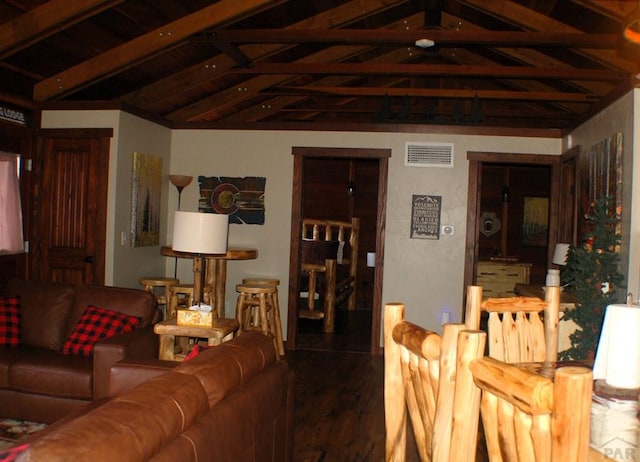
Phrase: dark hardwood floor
(339,413)
(352,332)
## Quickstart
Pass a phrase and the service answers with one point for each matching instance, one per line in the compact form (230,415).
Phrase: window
(11,240)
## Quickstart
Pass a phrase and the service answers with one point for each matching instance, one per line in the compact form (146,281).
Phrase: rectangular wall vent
(428,154)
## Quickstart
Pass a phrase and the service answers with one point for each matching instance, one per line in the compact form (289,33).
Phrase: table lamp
(199,234)
(560,254)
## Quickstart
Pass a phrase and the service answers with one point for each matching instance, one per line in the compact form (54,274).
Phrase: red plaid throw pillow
(97,324)
(195,351)
(11,454)
(10,321)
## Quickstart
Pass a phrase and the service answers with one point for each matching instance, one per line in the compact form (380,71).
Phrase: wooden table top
(221,328)
(233,253)
(567,299)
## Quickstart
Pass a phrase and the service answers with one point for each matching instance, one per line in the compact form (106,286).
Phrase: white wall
(427,275)
(620,117)
(138,135)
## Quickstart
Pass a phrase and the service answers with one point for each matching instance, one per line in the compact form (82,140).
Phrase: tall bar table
(215,271)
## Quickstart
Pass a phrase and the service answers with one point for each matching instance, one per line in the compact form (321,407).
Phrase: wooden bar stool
(151,283)
(257,309)
(275,283)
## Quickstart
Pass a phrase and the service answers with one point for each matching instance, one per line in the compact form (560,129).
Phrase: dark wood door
(568,201)
(68,233)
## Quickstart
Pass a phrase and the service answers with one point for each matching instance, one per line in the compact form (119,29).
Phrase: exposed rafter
(243,63)
(46,20)
(143,47)
(441,37)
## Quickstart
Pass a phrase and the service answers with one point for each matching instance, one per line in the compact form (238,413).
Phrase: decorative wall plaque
(425,217)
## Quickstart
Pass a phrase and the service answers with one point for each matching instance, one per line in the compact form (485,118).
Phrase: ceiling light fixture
(425,43)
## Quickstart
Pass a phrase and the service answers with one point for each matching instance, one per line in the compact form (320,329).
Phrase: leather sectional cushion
(227,366)
(240,436)
(44,308)
(124,375)
(137,424)
(46,372)
(5,361)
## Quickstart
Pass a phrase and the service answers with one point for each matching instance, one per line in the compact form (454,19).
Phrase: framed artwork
(425,217)
(600,173)
(240,198)
(146,187)
(535,221)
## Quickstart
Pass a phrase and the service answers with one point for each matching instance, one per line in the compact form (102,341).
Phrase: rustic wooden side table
(223,330)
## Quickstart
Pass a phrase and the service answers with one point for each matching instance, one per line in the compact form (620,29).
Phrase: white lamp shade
(560,254)
(197,232)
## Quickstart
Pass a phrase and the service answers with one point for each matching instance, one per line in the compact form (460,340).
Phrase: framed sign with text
(425,217)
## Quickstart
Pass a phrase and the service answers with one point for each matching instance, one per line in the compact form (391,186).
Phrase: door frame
(299,155)
(476,160)
(99,140)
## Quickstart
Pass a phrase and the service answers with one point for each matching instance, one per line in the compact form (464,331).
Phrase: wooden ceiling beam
(611,10)
(444,70)
(372,107)
(120,57)
(217,102)
(527,18)
(441,37)
(270,107)
(45,20)
(219,65)
(546,96)
(526,56)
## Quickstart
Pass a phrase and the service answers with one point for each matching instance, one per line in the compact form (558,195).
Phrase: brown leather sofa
(37,381)
(232,402)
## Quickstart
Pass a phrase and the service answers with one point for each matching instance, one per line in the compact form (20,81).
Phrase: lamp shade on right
(202,233)
(560,254)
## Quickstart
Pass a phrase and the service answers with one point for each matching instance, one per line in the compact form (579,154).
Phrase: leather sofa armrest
(126,374)
(290,425)
(138,344)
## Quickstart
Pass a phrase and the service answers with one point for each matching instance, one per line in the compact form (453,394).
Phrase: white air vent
(428,154)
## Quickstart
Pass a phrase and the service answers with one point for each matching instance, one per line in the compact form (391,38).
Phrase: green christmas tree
(592,275)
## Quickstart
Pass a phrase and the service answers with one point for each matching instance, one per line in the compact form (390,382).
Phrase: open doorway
(503,189)
(341,183)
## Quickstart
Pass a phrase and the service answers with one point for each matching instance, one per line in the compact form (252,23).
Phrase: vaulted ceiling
(322,64)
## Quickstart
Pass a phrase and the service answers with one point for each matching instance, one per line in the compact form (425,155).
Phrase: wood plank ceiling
(322,64)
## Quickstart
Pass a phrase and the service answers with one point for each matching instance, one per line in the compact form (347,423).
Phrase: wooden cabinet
(498,279)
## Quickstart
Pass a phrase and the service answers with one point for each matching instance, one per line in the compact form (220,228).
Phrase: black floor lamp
(180,182)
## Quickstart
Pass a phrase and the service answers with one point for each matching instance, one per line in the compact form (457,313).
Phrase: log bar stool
(272,282)
(267,319)
(150,283)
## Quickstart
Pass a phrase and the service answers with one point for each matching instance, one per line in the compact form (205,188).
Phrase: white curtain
(11,240)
